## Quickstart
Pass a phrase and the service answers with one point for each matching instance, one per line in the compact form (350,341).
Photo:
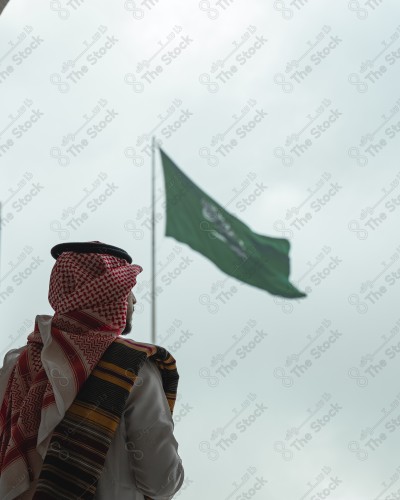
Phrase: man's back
(71,413)
(143,457)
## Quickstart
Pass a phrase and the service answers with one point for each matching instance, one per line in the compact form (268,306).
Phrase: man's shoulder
(11,357)
(148,367)
(133,344)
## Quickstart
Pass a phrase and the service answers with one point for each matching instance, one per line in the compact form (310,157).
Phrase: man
(84,412)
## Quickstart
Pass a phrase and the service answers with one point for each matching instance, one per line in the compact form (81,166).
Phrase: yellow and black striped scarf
(79,444)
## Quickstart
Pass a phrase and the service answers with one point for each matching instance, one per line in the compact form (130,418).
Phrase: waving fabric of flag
(196,219)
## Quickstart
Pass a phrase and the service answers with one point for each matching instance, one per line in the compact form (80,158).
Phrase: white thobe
(143,456)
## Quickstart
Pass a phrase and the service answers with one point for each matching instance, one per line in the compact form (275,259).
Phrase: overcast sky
(287,114)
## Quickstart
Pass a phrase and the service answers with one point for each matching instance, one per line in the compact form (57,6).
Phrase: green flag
(197,220)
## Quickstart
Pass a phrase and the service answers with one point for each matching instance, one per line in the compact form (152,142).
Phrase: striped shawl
(79,444)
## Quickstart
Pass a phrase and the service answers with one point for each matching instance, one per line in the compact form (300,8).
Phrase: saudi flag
(197,220)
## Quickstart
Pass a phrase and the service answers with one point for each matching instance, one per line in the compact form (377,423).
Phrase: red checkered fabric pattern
(91,289)
(89,294)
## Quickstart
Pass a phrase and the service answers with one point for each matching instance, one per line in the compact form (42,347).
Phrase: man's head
(129,313)
(91,287)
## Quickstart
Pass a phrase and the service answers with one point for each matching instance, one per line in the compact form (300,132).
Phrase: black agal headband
(90,247)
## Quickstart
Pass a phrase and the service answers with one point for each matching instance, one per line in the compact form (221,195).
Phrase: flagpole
(153,246)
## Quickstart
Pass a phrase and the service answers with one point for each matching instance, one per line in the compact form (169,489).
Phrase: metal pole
(153,246)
